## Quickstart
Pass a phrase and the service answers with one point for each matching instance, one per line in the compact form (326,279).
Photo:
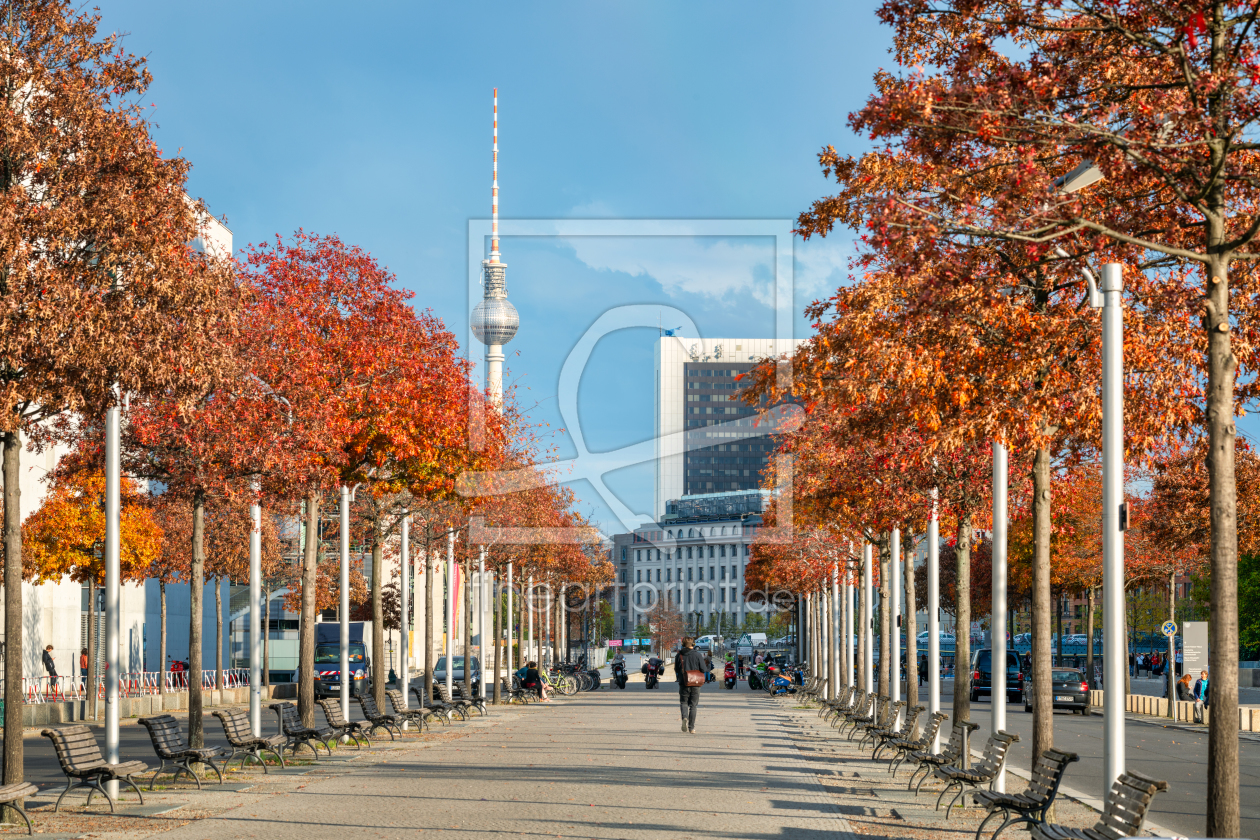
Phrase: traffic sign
(1169,628)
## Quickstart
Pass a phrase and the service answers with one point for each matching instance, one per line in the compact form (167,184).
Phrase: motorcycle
(619,674)
(729,678)
(653,669)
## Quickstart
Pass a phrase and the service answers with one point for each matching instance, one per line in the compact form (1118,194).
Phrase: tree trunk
(467,629)
(162,641)
(196,587)
(498,645)
(1089,645)
(378,618)
(1058,631)
(962,621)
(1223,781)
(1043,685)
(14,754)
(887,648)
(429,616)
(266,637)
(912,628)
(306,636)
(218,633)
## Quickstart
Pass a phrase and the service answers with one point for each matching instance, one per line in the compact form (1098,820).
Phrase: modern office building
(705,436)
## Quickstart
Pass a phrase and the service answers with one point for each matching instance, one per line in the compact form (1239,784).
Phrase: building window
(710,552)
(622,576)
(637,597)
(669,575)
(638,555)
(623,554)
(722,552)
(638,576)
(658,575)
(623,605)
(724,534)
(689,600)
(745,549)
(723,573)
(670,535)
(689,553)
(689,574)
(700,598)
(723,594)
(691,533)
(711,576)
(734,574)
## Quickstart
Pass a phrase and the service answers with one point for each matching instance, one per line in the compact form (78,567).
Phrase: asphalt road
(1177,756)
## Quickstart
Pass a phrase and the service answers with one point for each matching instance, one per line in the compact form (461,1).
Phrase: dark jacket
(532,678)
(48,664)
(687,660)
(1184,692)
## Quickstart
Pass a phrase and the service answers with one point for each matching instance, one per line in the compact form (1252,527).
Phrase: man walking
(689,671)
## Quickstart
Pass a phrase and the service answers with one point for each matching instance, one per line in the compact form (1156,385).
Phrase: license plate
(1064,698)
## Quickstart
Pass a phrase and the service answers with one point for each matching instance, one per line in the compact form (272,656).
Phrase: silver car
(439,670)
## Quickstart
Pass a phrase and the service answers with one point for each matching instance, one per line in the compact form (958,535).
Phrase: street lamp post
(450,611)
(1114,654)
(868,653)
(343,609)
(997,621)
(255,610)
(113,575)
(934,616)
(404,604)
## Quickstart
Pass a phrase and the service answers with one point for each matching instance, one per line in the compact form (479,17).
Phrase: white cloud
(727,269)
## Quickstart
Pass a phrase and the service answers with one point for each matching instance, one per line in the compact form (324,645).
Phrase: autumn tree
(1161,99)
(100,288)
(65,537)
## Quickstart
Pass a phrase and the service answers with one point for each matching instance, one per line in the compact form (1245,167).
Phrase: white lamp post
(934,616)
(255,610)
(868,654)
(997,669)
(404,603)
(113,575)
(450,611)
(343,609)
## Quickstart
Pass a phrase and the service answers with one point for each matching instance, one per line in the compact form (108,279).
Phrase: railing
(136,684)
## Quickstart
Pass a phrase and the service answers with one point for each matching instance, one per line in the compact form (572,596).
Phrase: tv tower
(494,320)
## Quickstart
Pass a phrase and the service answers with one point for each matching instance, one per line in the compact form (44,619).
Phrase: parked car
(706,642)
(982,676)
(439,671)
(1070,690)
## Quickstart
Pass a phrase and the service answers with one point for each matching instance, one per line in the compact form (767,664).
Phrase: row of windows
(718,486)
(669,574)
(717,386)
(693,372)
(692,533)
(674,597)
(710,398)
(708,409)
(725,460)
(728,473)
(677,553)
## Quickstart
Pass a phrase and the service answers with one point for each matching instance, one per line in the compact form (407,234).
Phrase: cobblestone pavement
(609,764)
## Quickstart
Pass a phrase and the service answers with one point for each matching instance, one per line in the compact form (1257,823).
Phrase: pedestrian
(49,665)
(533,680)
(83,663)
(1132,665)
(689,671)
(1201,688)
(1179,663)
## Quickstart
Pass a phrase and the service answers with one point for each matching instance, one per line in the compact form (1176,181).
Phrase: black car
(982,675)
(1070,691)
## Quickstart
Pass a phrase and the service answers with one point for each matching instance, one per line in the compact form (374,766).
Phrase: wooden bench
(80,758)
(440,710)
(885,710)
(378,719)
(171,748)
(1123,815)
(416,716)
(512,690)
(296,733)
(337,721)
(11,795)
(837,713)
(826,710)
(954,749)
(1030,806)
(909,726)
(457,706)
(889,721)
(984,771)
(874,713)
(902,747)
(244,743)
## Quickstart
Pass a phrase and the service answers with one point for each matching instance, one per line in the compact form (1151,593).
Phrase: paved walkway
(609,764)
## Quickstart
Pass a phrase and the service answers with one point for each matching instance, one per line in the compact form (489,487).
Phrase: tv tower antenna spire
(495,320)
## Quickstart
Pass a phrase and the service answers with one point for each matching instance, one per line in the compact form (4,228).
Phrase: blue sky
(373,120)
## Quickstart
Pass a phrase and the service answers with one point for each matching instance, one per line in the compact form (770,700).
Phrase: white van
(706,642)
(753,640)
